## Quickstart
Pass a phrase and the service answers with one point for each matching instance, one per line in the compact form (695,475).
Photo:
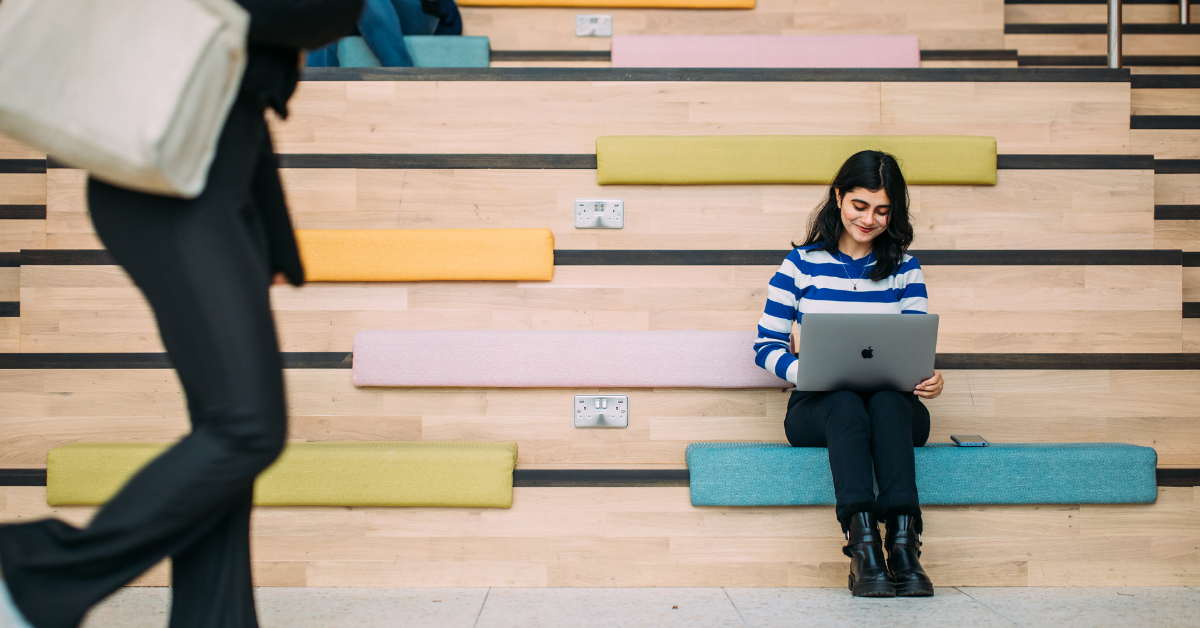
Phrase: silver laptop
(866,351)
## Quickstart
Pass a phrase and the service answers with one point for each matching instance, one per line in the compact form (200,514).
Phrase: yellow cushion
(427,254)
(355,473)
(615,4)
(793,159)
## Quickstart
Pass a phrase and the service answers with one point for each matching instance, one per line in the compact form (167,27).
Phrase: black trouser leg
(861,438)
(211,577)
(202,265)
(898,422)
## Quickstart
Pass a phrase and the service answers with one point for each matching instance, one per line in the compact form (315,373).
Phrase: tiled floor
(1161,607)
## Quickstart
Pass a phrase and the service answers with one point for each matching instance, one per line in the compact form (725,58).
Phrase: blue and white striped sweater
(814,281)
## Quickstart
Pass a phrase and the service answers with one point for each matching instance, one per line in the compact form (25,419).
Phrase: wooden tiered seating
(1061,33)
(1040,341)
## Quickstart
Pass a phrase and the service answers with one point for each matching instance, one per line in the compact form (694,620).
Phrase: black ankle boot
(904,553)
(869,575)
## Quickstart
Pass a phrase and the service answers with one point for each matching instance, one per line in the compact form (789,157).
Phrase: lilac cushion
(560,359)
(765,51)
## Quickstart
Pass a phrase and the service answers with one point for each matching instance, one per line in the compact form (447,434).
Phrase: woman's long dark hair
(870,170)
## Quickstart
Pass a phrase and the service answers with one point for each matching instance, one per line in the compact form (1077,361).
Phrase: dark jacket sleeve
(300,24)
(449,19)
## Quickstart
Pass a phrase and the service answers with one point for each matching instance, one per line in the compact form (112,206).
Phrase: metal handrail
(1114,33)
(1183,11)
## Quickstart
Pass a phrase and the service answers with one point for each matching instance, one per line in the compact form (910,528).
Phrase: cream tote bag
(133,91)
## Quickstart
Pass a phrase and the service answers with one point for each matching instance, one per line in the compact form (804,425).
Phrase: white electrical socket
(599,25)
(599,213)
(601,411)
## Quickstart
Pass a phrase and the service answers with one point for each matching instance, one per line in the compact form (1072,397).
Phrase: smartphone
(968,440)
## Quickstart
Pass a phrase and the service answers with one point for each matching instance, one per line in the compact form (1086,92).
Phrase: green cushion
(355,473)
(787,159)
(446,51)
(353,52)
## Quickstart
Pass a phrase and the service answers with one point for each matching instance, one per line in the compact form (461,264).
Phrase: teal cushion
(777,474)
(446,51)
(353,52)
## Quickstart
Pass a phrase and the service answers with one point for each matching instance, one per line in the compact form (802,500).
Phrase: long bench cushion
(788,159)
(766,51)
(427,51)
(615,4)
(427,254)
(411,473)
(558,359)
(776,474)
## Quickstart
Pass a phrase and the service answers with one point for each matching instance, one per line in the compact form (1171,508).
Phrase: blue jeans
(384,23)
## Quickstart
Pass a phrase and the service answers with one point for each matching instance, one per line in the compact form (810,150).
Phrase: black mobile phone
(968,440)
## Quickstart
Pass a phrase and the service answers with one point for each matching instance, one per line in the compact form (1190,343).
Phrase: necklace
(853,282)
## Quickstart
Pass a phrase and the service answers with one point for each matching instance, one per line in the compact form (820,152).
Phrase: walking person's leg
(840,421)
(203,267)
(900,422)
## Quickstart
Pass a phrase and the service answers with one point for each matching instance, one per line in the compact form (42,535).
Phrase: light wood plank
(1177,189)
(1027,209)
(1097,44)
(22,189)
(654,537)
(1177,234)
(1008,308)
(1165,102)
(567,117)
(1092,13)
(12,149)
(1166,143)
(941,24)
(40,410)
(22,234)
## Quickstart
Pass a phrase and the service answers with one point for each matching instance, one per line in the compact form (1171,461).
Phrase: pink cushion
(560,359)
(765,51)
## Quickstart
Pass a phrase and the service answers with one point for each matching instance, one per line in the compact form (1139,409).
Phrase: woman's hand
(278,279)
(932,387)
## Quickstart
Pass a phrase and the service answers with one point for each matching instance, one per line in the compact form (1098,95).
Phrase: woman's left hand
(932,387)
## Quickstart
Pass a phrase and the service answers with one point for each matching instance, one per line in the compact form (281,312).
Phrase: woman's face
(864,213)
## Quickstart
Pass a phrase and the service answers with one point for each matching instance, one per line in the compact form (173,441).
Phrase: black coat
(279,30)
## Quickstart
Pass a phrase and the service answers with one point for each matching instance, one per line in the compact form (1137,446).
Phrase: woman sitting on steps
(853,261)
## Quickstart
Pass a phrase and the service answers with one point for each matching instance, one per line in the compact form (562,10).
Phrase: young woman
(854,261)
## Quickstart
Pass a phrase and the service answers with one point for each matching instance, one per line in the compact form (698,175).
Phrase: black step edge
(920,75)
(601,477)
(1101,29)
(1165,81)
(291,360)
(22,166)
(1164,122)
(1034,61)
(22,212)
(1177,212)
(1177,166)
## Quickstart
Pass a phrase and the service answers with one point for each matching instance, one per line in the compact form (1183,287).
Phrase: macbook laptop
(866,351)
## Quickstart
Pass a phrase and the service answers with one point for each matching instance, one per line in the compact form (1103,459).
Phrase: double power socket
(599,213)
(601,411)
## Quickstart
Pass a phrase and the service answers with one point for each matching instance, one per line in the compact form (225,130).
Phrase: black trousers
(870,437)
(203,265)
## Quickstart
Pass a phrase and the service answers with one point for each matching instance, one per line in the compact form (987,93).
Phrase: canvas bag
(133,91)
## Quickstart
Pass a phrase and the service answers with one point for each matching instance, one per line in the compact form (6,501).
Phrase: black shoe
(869,575)
(904,553)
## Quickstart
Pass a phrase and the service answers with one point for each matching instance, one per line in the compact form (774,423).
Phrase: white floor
(1160,607)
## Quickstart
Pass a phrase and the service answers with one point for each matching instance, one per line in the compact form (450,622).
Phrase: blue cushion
(777,474)
(442,51)
(353,52)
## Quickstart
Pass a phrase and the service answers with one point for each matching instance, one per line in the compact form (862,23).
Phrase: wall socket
(599,214)
(601,411)
(599,25)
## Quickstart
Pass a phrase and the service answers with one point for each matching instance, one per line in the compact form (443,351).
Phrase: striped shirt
(814,281)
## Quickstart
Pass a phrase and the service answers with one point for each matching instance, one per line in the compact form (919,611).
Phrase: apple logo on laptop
(868,353)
